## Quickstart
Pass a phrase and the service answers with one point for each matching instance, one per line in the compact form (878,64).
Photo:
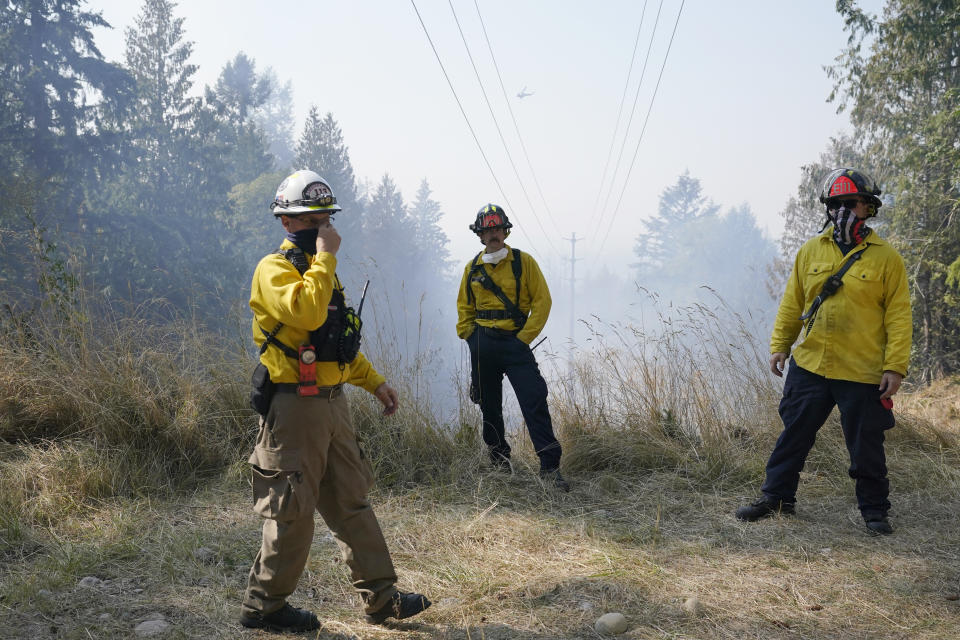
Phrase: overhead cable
(499,132)
(626,133)
(467,120)
(623,99)
(516,128)
(645,120)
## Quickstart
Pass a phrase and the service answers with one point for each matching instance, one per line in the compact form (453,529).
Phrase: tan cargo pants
(307,458)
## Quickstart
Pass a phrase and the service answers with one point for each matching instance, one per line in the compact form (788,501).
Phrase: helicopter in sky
(524,93)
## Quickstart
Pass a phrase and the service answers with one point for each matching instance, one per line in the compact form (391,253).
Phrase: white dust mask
(496,256)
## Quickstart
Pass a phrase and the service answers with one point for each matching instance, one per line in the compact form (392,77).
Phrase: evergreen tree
(387,229)
(165,239)
(275,119)
(904,99)
(686,252)
(663,234)
(54,87)
(322,149)
(430,238)
(238,93)
(51,78)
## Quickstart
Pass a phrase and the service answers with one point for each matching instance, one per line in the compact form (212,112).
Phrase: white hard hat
(303,191)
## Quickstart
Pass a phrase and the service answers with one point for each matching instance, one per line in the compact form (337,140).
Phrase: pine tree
(166,240)
(431,239)
(51,77)
(166,115)
(275,119)
(321,148)
(54,87)
(686,252)
(239,92)
(663,234)
(388,229)
(904,100)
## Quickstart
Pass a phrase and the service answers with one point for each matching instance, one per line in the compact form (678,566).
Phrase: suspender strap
(830,287)
(517,267)
(298,259)
(473,270)
(271,339)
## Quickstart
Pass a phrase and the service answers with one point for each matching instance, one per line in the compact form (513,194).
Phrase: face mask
(847,228)
(305,239)
(495,257)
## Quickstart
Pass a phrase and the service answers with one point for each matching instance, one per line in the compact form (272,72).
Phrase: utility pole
(573,278)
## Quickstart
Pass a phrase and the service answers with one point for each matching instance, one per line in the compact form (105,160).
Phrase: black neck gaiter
(305,239)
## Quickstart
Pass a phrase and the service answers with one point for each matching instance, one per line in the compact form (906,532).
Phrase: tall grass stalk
(105,404)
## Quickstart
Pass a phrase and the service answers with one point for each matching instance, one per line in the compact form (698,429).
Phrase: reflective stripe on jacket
(280,294)
(535,300)
(859,332)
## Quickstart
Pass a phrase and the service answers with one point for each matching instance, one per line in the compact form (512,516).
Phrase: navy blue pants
(807,401)
(493,354)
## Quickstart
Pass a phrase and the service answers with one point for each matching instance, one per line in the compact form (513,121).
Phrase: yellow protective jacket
(280,294)
(864,328)
(535,300)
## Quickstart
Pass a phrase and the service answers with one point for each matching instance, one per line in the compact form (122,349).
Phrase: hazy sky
(741,103)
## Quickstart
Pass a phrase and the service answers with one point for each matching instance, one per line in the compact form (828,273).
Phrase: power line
(513,118)
(499,132)
(645,120)
(623,99)
(626,133)
(466,119)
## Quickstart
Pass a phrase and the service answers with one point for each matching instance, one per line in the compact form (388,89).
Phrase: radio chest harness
(511,310)
(336,340)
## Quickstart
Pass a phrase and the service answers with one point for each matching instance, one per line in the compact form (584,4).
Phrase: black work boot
(286,618)
(401,605)
(552,476)
(878,525)
(764,507)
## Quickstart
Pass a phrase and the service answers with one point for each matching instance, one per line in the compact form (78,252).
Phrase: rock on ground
(151,628)
(610,624)
(692,605)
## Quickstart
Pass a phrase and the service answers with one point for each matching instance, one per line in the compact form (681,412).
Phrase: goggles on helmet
(491,216)
(491,221)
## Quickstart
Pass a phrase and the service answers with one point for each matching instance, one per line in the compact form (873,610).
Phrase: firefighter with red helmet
(502,307)
(848,300)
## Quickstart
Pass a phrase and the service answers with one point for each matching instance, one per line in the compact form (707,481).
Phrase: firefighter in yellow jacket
(502,307)
(849,298)
(307,456)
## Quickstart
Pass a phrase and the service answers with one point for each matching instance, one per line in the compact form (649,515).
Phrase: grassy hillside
(123,498)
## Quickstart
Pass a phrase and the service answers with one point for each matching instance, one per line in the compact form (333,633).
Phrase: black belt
(493,331)
(327,393)
(494,314)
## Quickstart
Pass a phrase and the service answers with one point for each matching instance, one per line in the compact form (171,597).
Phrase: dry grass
(504,557)
(659,453)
